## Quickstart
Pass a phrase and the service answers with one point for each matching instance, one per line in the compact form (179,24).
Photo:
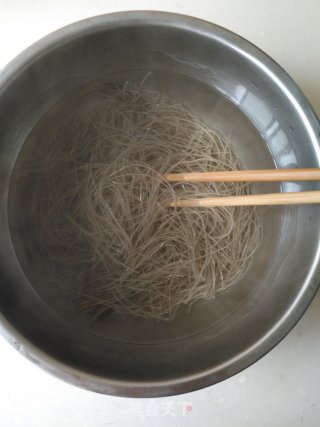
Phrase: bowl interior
(232,93)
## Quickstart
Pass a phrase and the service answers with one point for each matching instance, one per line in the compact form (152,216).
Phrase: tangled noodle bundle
(99,202)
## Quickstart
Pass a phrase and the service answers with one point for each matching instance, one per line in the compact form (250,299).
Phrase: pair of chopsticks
(267,175)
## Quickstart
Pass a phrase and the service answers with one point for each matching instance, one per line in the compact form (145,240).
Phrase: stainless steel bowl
(238,89)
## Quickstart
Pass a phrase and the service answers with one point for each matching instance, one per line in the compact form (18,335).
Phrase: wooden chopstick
(292,198)
(312,174)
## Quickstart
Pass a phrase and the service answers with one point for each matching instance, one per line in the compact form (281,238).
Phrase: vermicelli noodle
(98,198)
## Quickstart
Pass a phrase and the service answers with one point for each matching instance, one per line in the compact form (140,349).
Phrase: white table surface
(283,388)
